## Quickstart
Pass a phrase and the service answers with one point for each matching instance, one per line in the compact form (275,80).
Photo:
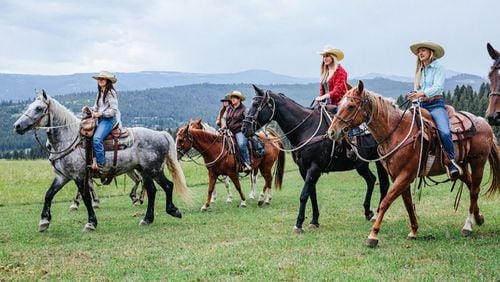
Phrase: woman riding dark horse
(313,152)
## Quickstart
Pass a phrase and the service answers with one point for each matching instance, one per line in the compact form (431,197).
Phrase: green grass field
(231,243)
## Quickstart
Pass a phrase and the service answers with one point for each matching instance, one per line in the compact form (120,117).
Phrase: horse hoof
(313,225)
(43,225)
(203,209)
(143,222)
(229,200)
(73,207)
(260,203)
(175,213)
(371,243)
(267,203)
(466,232)
(411,237)
(243,205)
(251,196)
(480,220)
(89,227)
(298,230)
(137,202)
(369,216)
(373,218)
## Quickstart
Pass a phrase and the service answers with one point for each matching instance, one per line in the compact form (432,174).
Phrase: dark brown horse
(493,111)
(396,134)
(219,160)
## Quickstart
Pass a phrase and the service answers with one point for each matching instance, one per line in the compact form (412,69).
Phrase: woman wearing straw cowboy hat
(105,110)
(333,83)
(428,88)
(234,121)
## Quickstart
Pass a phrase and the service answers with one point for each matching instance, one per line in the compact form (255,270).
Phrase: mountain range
(15,87)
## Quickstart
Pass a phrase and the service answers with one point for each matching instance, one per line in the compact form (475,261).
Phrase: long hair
(418,71)
(108,88)
(324,68)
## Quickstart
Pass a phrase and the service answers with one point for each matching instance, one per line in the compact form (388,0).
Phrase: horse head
(197,124)
(260,112)
(493,110)
(348,113)
(184,141)
(37,115)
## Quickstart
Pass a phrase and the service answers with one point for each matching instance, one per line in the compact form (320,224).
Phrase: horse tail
(280,166)
(494,161)
(173,165)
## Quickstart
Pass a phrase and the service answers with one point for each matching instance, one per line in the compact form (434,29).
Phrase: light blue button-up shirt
(432,79)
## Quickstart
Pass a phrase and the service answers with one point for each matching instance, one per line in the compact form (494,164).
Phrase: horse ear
(361,86)
(258,91)
(44,94)
(198,121)
(493,53)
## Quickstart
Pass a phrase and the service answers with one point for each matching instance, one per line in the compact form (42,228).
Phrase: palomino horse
(220,161)
(493,111)
(148,154)
(398,140)
(313,152)
(198,124)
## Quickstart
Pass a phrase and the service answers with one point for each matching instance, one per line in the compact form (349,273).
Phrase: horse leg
(237,184)
(211,186)
(398,187)
(253,184)
(168,187)
(95,197)
(473,182)
(411,213)
(151,190)
(133,191)
(310,177)
(46,216)
(76,201)
(370,179)
(87,200)
(383,179)
(268,180)
(229,194)
(214,196)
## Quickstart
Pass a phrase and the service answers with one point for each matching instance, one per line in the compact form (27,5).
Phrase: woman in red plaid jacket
(333,83)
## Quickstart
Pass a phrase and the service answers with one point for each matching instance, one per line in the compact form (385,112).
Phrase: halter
(359,109)
(189,137)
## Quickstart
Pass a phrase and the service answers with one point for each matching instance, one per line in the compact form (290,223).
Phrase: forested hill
(165,108)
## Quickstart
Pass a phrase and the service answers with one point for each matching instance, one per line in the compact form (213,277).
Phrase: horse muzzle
(493,119)
(21,128)
(334,134)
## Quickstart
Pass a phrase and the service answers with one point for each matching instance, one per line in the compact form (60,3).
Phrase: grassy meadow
(231,243)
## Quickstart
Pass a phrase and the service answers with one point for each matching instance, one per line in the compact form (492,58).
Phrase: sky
(209,36)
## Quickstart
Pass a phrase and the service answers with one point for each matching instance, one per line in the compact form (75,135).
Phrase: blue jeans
(104,127)
(243,145)
(440,117)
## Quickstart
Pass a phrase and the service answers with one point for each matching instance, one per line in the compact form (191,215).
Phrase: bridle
(495,67)
(360,109)
(265,101)
(186,137)
(45,113)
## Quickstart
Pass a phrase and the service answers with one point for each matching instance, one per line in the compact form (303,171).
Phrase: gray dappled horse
(148,154)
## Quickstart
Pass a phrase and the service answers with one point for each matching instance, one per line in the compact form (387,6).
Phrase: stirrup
(460,171)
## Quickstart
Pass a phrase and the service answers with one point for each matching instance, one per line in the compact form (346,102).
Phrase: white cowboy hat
(236,94)
(107,75)
(438,49)
(333,51)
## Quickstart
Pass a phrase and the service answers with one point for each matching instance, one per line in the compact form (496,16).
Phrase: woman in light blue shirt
(429,88)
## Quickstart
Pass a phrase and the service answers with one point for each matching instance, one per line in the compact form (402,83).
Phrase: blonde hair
(324,68)
(418,71)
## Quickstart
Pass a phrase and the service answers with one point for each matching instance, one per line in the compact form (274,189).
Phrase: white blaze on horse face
(342,102)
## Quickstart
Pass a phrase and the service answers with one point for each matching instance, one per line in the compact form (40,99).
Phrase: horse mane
(63,114)
(281,95)
(205,135)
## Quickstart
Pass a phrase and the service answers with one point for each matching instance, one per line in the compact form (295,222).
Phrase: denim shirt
(432,79)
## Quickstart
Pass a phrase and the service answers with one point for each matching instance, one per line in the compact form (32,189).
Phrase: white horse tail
(173,165)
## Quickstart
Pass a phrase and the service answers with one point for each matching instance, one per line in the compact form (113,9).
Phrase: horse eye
(350,107)
(39,109)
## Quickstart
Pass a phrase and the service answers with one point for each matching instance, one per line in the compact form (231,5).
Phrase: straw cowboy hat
(107,75)
(438,49)
(236,94)
(333,51)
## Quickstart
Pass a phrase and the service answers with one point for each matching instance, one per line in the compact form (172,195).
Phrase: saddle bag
(259,150)
(87,126)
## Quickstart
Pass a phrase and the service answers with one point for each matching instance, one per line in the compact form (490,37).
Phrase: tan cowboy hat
(333,51)
(438,49)
(236,94)
(107,75)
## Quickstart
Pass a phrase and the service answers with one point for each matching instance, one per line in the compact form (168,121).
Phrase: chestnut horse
(219,161)
(392,127)
(493,111)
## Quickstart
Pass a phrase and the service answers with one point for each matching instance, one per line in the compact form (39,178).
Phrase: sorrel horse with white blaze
(219,160)
(313,152)
(493,110)
(148,154)
(400,144)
